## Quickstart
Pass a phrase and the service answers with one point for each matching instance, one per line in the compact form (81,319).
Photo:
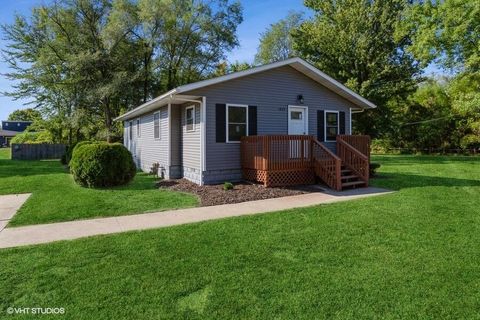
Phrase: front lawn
(4,153)
(56,197)
(413,254)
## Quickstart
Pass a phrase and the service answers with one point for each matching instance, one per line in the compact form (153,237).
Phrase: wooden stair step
(346,171)
(350,177)
(353,183)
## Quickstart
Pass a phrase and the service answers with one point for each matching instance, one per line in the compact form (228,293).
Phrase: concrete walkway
(9,205)
(44,233)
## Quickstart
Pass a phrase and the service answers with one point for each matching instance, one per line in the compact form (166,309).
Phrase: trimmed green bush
(68,154)
(101,164)
(227,186)
(67,157)
(70,149)
(81,143)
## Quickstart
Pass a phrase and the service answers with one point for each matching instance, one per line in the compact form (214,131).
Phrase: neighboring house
(194,131)
(10,129)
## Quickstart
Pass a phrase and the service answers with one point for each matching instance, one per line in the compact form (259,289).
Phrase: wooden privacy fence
(43,151)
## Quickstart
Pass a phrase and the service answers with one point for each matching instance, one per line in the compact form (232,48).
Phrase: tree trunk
(108,119)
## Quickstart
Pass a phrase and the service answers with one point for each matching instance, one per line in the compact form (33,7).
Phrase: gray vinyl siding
(176,138)
(191,145)
(271,91)
(147,150)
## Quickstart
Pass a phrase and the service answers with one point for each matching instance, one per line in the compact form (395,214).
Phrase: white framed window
(138,128)
(130,130)
(332,124)
(156,125)
(236,122)
(190,118)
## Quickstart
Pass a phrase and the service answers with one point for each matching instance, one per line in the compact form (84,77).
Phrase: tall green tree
(86,61)
(28,114)
(184,40)
(448,33)
(426,119)
(362,44)
(276,42)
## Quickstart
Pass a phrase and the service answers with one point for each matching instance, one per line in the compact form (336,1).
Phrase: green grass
(56,197)
(4,153)
(413,254)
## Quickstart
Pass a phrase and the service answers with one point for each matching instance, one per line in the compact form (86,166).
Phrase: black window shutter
(252,120)
(321,125)
(220,114)
(342,122)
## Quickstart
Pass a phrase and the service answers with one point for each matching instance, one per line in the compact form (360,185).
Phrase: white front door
(297,125)
(297,120)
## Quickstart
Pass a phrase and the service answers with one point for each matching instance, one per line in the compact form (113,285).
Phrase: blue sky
(258,15)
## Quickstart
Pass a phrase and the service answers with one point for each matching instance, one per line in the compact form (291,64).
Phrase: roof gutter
(132,113)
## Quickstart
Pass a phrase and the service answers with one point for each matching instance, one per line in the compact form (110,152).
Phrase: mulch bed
(212,195)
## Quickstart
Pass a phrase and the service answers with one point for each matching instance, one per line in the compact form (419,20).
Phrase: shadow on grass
(11,168)
(407,160)
(397,181)
(23,169)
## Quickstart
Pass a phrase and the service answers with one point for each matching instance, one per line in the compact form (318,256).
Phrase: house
(10,129)
(210,131)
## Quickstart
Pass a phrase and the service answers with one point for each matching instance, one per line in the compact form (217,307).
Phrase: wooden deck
(285,160)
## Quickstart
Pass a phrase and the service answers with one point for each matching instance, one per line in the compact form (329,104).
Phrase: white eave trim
(297,63)
(332,84)
(140,109)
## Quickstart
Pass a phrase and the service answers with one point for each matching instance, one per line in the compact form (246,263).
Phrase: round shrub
(69,153)
(102,164)
(79,144)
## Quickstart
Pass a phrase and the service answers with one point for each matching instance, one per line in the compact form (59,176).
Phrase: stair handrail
(364,171)
(328,151)
(359,142)
(331,177)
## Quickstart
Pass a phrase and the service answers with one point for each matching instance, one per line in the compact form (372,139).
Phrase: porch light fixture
(300,98)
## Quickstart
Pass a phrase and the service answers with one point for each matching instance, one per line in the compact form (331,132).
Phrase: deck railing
(279,160)
(276,152)
(283,160)
(353,159)
(359,142)
(327,165)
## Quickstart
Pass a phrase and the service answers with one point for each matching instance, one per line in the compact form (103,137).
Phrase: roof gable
(296,63)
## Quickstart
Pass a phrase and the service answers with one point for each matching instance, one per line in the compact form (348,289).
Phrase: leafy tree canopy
(25,115)
(446,32)
(86,61)
(276,42)
(361,44)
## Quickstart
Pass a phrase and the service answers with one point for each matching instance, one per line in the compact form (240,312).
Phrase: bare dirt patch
(212,195)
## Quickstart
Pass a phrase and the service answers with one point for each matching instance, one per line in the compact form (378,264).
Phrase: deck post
(338,173)
(266,152)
